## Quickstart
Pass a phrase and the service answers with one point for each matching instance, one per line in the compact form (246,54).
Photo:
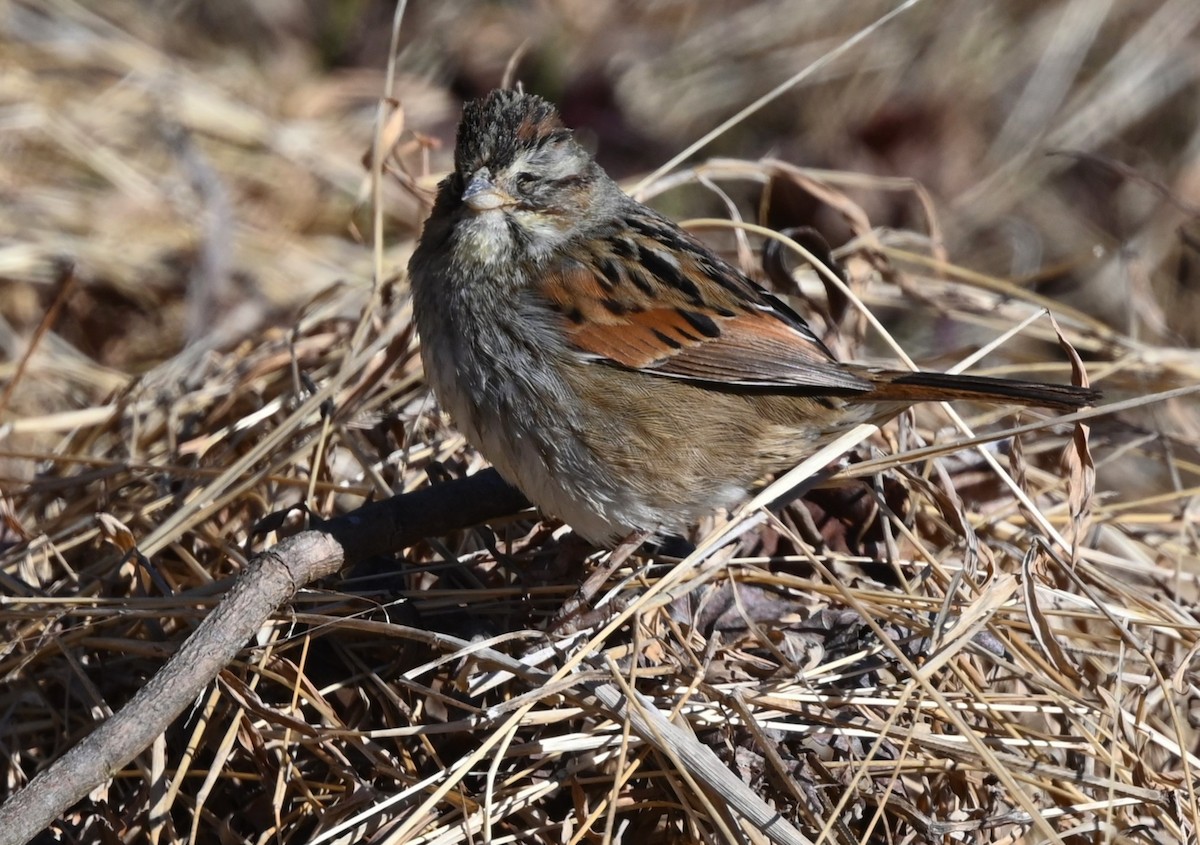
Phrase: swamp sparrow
(615,370)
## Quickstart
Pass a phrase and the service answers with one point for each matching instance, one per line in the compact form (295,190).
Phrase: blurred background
(201,163)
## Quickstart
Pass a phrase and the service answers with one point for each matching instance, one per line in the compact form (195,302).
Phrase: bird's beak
(483,195)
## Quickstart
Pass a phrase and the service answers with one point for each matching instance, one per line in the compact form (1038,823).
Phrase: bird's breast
(484,240)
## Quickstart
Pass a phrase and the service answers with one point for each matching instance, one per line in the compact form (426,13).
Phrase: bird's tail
(943,387)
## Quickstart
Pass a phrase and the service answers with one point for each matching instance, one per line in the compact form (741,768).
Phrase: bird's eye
(522,181)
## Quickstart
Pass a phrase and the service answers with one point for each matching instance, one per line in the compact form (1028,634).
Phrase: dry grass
(987,645)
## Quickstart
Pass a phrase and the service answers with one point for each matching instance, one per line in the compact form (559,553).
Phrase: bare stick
(270,580)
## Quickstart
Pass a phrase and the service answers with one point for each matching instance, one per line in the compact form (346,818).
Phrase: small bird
(615,370)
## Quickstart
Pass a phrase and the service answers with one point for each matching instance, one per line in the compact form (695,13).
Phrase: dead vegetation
(989,644)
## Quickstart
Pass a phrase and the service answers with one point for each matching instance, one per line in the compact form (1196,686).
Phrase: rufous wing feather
(681,312)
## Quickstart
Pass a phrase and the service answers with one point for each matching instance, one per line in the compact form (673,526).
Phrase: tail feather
(942,387)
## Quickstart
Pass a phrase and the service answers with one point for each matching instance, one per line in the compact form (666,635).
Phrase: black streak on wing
(701,323)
